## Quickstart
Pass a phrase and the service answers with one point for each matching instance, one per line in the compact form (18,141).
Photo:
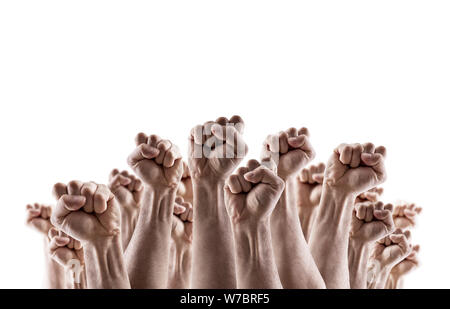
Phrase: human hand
(371,221)
(406,266)
(86,211)
(182,222)
(252,193)
(216,148)
(185,189)
(372,195)
(405,215)
(310,185)
(356,168)
(38,217)
(156,162)
(290,150)
(392,249)
(64,249)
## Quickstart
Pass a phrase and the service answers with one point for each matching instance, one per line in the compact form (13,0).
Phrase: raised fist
(182,222)
(371,221)
(356,168)
(128,191)
(405,215)
(38,217)
(85,211)
(216,148)
(392,249)
(372,195)
(252,193)
(310,182)
(410,263)
(156,162)
(185,189)
(64,249)
(290,150)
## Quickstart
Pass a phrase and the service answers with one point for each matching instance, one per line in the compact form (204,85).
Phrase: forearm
(213,245)
(382,277)
(394,282)
(295,263)
(307,216)
(105,267)
(358,256)
(255,261)
(147,255)
(55,273)
(181,268)
(329,238)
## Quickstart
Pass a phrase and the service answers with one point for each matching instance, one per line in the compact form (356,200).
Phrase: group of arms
(208,223)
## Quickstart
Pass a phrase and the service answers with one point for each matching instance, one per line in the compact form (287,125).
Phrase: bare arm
(213,248)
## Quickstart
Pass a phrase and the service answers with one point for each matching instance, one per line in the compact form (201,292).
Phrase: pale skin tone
(351,170)
(65,251)
(185,189)
(387,253)
(215,150)
(89,213)
(399,271)
(290,151)
(38,218)
(251,195)
(128,191)
(371,221)
(309,190)
(405,215)
(180,267)
(157,163)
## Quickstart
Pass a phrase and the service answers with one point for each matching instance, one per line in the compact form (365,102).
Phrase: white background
(78,80)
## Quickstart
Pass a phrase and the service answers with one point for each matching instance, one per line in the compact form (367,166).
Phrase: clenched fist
(290,150)
(182,222)
(216,148)
(310,185)
(157,162)
(356,168)
(392,249)
(252,193)
(85,211)
(371,221)
(405,215)
(38,217)
(410,263)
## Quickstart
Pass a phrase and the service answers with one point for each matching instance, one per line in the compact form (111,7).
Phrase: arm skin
(255,261)
(105,267)
(329,239)
(358,255)
(56,276)
(296,266)
(181,268)
(147,255)
(213,247)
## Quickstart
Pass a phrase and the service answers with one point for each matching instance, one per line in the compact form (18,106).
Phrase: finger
(101,197)
(234,184)
(369,148)
(252,164)
(356,155)
(292,132)
(381,150)
(113,173)
(245,185)
(284,146)
(345,154)
(141,138)
(360,211)
(119,180)
(163,146)
(88,191)
(318,178)
(304,175)
(222,121)
(264,175)
(59,190)
(171,156)
(65,205)
(141,152)
(303,131)
(238,123)
(74,187)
